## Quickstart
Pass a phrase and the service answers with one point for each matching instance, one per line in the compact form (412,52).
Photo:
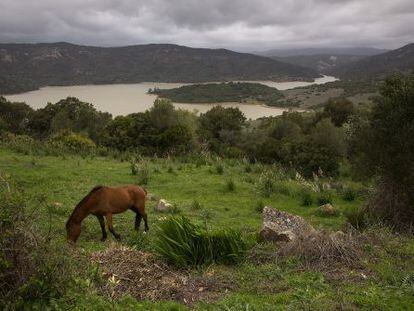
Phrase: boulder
(279,226)
(328,210)
(163,206)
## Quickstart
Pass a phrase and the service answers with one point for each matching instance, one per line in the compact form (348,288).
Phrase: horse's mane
(96,188)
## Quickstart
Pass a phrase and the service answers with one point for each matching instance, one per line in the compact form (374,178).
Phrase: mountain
(355,51)
(322,63)
(378,66)
(29,66)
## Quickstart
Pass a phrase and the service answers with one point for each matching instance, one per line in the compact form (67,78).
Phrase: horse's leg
(102,223)
(144,215)
(110,227)
(138,218)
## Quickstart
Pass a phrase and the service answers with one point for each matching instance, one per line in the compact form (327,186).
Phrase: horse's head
(72,231)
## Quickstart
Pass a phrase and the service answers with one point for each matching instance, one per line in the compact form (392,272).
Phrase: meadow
(214,193)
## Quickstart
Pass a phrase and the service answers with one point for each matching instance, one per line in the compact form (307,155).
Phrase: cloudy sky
(239,24)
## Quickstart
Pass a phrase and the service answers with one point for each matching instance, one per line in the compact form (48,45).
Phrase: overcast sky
(248,25)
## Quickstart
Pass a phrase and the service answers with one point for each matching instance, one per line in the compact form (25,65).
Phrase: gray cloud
(242,24)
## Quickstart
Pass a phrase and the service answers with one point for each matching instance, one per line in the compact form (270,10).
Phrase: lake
(122,99)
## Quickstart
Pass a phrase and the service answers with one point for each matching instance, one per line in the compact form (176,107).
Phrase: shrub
(33,268)
(73,142)
(324,197)
(184,244)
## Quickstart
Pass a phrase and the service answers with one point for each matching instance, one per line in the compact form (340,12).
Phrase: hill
(378,66)
(29,66)
(356,51)
(322,63)
(222,92)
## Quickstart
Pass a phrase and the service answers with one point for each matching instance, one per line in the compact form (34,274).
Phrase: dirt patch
(141,275)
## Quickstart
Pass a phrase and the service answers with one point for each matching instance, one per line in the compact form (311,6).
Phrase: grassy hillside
(26,66)
(199,187)
(223,92)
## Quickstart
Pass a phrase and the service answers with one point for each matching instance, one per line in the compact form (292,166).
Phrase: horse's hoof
(103,239)
(118,238)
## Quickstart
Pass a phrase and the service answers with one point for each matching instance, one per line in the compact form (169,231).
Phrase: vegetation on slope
(378,66)
(227,170)
(28,66)
(222,92)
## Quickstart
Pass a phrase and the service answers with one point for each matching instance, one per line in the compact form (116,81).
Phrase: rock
(279,226)
(163,206)
(151,197)
(328,210)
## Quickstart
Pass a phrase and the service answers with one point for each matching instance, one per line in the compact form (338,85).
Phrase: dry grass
(325,251)
(142,276)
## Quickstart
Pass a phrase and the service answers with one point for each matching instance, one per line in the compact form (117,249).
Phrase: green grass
(54,185)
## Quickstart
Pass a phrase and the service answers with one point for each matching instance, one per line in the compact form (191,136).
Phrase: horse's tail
(96,188)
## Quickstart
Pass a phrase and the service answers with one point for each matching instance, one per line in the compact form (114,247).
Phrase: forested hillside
(28,66)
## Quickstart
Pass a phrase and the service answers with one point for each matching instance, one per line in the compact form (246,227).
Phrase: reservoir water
(122,99)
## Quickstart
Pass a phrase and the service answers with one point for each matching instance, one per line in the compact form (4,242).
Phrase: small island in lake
(241,92)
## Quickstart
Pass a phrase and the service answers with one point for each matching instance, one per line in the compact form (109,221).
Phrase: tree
(339,110)
(14,116)
(69,114)
(386,142)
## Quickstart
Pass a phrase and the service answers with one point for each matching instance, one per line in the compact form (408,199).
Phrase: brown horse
(105,201)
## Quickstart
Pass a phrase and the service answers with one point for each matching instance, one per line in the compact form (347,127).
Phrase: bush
(73,142)
(33,268)
(184,244)
(324,197)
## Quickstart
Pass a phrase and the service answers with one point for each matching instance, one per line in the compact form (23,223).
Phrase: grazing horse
(104,201)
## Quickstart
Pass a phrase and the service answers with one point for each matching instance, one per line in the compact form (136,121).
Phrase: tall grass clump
(358,217)
(324,197)
(230,185)
(219,168)
(349,194)
(140,168)
(306,197)
(183,243)
(266,183)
